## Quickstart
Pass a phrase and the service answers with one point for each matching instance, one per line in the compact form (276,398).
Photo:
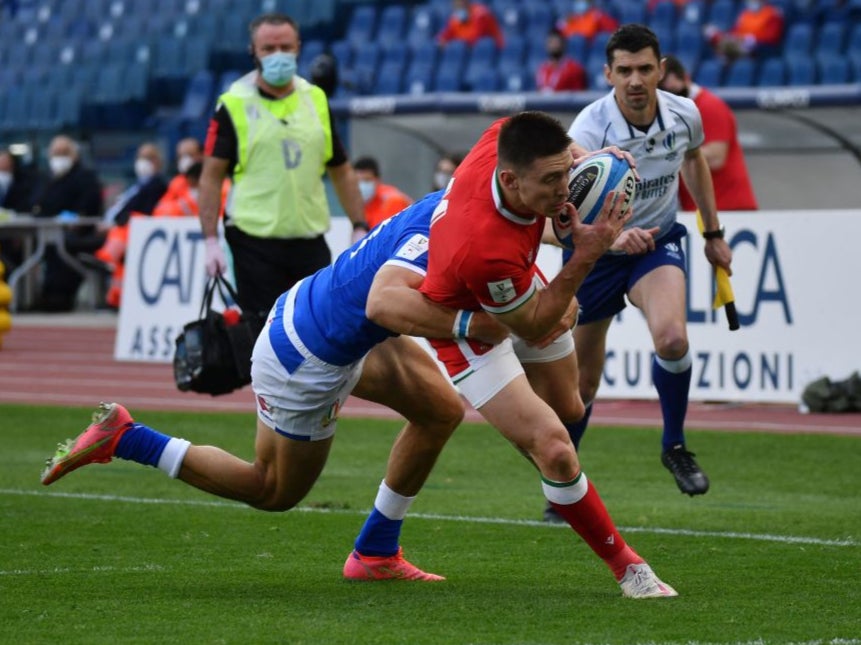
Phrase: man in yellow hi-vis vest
(273,133)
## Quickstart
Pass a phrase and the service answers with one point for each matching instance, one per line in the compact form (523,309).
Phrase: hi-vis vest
(283,146)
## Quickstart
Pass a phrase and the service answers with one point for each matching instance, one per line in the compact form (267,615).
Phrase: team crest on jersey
(331,414)
(669,142)
(502,291)
(413,248)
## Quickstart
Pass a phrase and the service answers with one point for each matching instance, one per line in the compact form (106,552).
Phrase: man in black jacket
(73,190)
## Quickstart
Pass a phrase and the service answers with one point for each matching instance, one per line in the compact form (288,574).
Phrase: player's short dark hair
(270,19)
(367,163)
(632,38)
(673,65)
(528,136)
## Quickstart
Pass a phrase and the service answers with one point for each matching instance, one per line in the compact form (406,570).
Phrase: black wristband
(357,225)
(714,235)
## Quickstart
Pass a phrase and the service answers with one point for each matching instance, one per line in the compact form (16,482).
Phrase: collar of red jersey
(496,190)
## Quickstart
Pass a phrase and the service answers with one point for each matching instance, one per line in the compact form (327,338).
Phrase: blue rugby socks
(382,530)
(672,379)
(146,446)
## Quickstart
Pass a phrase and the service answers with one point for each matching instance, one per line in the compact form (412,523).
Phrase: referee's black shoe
(689,476)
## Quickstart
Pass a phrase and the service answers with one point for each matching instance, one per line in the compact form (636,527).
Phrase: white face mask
(144,169)
(184,163)
(195,193)
(60,165)
(367,188)
(5,180)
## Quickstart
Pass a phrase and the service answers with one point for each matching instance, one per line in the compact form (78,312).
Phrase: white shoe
(640,581)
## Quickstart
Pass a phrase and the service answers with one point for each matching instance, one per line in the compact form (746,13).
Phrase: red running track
(45,361)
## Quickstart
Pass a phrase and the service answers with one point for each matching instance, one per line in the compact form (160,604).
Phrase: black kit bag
(213,353)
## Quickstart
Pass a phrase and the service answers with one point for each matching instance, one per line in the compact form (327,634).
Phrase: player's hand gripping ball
(588,187)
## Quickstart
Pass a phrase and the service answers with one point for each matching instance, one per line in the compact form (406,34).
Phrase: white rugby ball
(588,187)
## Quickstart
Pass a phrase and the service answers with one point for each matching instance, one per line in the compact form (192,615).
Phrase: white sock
(171,457)
(391,504)
(565,493)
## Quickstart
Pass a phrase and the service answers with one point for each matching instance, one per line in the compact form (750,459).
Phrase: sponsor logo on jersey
(413,247)
(502,291)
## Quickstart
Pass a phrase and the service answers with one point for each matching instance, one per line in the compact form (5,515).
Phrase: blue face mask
(461,15)
(278,69)
(580,7)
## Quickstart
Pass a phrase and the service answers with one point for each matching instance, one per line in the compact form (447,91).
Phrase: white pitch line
(732,535)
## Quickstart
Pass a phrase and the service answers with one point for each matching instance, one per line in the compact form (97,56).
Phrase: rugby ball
(588,186)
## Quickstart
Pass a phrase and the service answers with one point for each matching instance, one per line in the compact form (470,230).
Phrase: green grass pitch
(119,553)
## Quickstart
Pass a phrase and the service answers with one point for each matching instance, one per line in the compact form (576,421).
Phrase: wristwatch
(714,235)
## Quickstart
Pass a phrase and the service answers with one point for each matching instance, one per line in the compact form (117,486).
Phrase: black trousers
(265,268)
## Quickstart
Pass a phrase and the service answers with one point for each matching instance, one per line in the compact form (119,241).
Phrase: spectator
(445,168)
(586,19)
(559,72)
(72,190)
(189,151)
(17,194)
(758,31)
(381,200)
(17,184)
(723,153)
(470,21)
(140,198)
(178,197)
(273,133)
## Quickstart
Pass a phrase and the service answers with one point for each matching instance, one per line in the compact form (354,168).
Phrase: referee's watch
(714,235)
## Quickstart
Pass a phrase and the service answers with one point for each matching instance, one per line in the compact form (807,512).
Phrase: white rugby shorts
(303,403)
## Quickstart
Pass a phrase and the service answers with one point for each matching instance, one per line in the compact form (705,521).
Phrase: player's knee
(556,457)
(571,409)
(672,344)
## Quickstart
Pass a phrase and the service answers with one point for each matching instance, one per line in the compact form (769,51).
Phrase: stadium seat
(419,78)
(68,112)
(577,47)
(343,53)
(481,60)
(43,110)
(365,66)
(453,57)
(225,80)
(392,21)
(422,26)
(834,70)
(853,46)
(511,18)
(595,78)
(772,73)
(18,105)
(511,55)
(630,11)
(522,82)
(360,29)
(710,73)
(487,82)
(310,50)
(198,100)
(447,79)
(538,17)
(799,40)
(389,78)
(722,14)
(663,16)
(741,73)
(396,52)
(801,71)
(830,40)
(690,43)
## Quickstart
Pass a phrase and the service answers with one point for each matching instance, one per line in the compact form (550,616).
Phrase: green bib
(283,147)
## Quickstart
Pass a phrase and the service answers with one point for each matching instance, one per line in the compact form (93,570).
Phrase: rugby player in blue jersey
(318,346)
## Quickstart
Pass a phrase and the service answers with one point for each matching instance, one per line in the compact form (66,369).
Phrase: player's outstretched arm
(395,303)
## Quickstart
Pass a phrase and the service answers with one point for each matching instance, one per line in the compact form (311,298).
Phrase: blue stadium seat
(798,40)
(666,37)
(834,70)
(198,100)
(830,40)
(447,79)
(772,73)
(663,16)
(690,42)
(595,79)
(225,80)
(423,26)
(169,57)
(487,82)
(84,77)
(539,18)
(426,53)
(512,55)
(365,66)
(397,52)
(68,111)
(453,57)
(310,50)
(43,110)
(577,47)
(343,53)
(195,55)
(801,71)
(511,17)
(741,73)
(362,25)
(419,78)
(522,82)
(480,59)
(391,28)
(853,46)
(693,13)
(628,11)
(722,14)
(710,73)
(18,104)
(389,78)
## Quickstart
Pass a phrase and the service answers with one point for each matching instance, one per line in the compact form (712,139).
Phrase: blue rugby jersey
(329,314)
